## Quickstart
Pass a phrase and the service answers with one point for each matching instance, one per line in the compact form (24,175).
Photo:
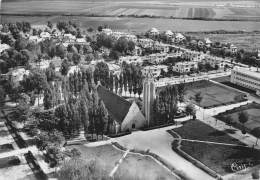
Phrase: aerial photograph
(129,89)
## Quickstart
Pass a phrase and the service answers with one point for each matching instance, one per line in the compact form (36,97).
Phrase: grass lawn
(9,161)
(132,167)
(6,148)
(213,94)
(219,157)
(215,156)
(197,130)
(253,111)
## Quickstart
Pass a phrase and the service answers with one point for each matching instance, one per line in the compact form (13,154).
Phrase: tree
(101,73)
(114,54)
(61,51)
(243,118)
(47,98)
(89,57)
(65,66)
(198,97)
(121,45)
(21,43)
(2,96)
(76,58)
(190,109)
(229,120)
(256,133)
(49,24)
(181,91)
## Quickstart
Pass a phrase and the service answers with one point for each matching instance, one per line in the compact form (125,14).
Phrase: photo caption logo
(241,165)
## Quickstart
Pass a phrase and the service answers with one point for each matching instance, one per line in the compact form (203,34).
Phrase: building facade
(148,98)
(246,78)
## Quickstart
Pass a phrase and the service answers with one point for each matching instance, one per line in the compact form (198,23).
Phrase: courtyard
(253,111)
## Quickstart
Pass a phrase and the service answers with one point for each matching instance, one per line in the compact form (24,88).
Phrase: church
(125,116)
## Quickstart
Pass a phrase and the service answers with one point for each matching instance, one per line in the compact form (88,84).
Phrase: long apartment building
(246,78)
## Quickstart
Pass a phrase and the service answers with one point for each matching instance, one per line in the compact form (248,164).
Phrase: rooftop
(117,106)
(247,71)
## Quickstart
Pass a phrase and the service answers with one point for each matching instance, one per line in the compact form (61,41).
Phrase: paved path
(18,152)
(210,142)
(220,125)
(111,174)
(159,141)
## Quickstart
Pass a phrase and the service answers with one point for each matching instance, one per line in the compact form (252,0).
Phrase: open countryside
(242,10)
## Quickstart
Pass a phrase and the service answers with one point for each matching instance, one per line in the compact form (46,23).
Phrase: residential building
(179,38)
(35,39)
(153,32)
(113,68)
(214,61)
(208,42)
(145,43)
(158,46)
(69,38)
(201,43)
(107,31)
(156,58)
(169,34)
(17,74)
(45,35)
(130,37)
(4,47)
(233,49)
(186,66)
(125,116)
(155,70)
(137,51)
(246,78)
(137,60)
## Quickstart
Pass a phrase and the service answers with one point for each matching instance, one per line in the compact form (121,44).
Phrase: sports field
(213,9)
(213,95)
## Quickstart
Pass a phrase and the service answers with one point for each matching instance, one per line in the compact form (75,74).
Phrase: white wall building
(246,78)
(146,43)
(156,58)
(155,71)
(137,60)
(186,66)
(4,47)
(213,61)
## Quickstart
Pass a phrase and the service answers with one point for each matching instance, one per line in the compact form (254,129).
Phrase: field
(247,41)
(132,167)
(243,10)
(213,94)
(209,149)
(137,25)
(253,111)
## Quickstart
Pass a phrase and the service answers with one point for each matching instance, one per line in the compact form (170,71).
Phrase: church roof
(117,106)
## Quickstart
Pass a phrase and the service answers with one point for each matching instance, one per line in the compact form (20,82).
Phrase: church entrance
(133,126)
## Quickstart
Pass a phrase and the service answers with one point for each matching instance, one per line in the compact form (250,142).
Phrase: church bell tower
(148,97)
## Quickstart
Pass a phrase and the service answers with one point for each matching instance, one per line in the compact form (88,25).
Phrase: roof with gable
(117,106)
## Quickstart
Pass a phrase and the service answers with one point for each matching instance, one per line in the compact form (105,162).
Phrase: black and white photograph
(129,89)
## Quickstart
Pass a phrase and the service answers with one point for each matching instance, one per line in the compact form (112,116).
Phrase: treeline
(129,80)
(165,106)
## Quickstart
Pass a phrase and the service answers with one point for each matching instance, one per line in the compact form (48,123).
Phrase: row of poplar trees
(129,80)
(165,105)
(77,105)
